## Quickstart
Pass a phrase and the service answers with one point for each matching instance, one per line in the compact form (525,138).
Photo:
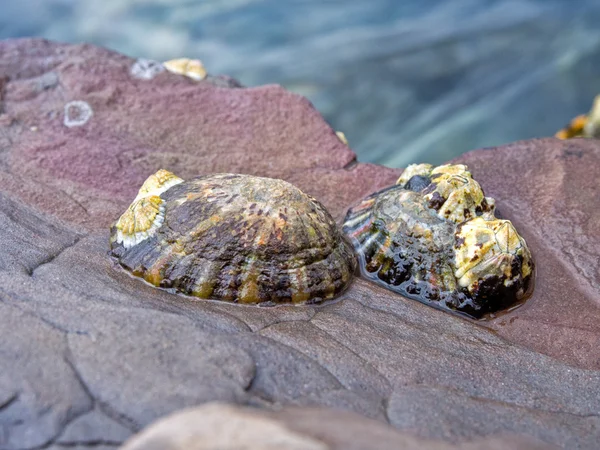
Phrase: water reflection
(407,81)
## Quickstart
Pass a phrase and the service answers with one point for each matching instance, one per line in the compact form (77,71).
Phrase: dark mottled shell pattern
(434,237)
(243,239)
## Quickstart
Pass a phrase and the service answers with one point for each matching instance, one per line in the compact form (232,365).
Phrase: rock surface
(225,427)
(90,355)
(440,77)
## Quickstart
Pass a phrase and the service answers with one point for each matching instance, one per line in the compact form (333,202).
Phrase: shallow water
(406,81)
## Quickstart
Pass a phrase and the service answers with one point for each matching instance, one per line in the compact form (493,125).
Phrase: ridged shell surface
(434,237)
(238,238)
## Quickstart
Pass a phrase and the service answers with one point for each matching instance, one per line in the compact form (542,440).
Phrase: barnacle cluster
(233,237)
(434,237)
(585,125)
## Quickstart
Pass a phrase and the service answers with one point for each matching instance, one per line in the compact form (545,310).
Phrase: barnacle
(158,183)
(141,220)
(146,214)
(455,195)
(342,137)
(415,170)
(583,125)
(191,68)
(146,69)
(434,237)
(233,237)
(77,113)
(490,255)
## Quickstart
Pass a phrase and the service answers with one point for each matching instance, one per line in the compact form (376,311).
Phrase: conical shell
(243,239)
(490,255)
(434,237)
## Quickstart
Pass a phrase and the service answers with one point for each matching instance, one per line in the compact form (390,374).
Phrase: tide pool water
(405,80)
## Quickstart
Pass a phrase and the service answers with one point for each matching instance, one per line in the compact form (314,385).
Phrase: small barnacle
(342,137)
(574,129)
(146,214)
(146,69)
(592,126)
(141,220)
(415,170)
(433,237)
(158,183)
(191,68)
(491,256)
(233,237)
(455,195)
(584,125)
(77,113)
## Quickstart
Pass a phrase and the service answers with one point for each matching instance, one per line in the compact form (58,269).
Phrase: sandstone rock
(87,347)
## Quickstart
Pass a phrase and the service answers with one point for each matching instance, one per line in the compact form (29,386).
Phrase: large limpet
(233,237)
(434,237)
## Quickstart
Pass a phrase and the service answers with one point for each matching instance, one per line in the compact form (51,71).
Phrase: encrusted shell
(434,237)
(233,237)
(450,190)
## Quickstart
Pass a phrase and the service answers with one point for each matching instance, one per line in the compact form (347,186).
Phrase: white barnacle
(141,221)
(191,68)
(77,113)
(342,137)
(146,69)
(146,214)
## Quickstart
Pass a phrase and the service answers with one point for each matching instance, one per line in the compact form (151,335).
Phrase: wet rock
(85,346)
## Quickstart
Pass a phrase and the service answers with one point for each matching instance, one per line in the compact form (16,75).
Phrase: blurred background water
(405,80)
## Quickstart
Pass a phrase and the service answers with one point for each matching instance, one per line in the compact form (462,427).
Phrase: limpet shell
(434,237)
(238,238)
